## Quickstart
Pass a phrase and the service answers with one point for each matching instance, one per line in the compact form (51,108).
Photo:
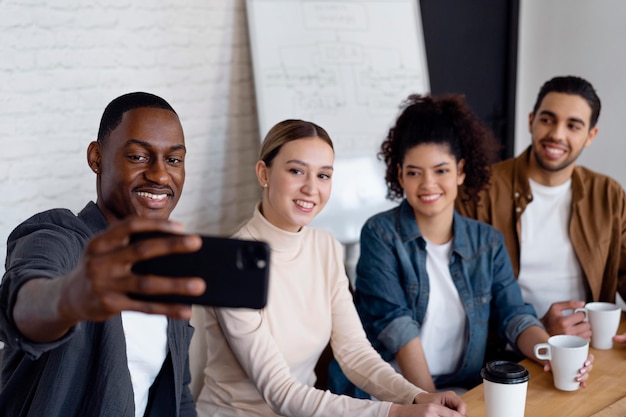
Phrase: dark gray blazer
(85,373)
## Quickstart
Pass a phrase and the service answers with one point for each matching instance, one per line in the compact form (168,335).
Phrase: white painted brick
(20,17)
(52,19)
(115,4)
(103,20)
(63,61)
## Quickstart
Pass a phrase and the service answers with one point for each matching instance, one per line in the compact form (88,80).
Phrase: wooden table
(606,385)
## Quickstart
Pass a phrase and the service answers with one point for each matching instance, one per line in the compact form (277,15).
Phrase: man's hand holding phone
(235,272)
(98,286)
(104,273)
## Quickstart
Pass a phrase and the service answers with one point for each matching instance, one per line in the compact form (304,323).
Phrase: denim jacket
(392,287)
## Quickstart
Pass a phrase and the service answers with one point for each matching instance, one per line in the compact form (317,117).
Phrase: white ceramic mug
(505,384)
(567,354)
(604,320)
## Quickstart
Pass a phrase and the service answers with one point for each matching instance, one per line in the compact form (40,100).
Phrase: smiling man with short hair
(76,343)
(564,225)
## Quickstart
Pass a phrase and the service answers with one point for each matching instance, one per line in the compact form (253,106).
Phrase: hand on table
(556,323)
(440,404)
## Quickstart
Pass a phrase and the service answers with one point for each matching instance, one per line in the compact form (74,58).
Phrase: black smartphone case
(236,272)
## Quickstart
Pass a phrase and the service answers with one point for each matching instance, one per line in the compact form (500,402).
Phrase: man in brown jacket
(564,225)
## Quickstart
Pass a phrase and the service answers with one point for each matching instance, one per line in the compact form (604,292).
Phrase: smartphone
(236,271)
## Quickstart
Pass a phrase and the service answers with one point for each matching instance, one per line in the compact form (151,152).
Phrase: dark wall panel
(471,48)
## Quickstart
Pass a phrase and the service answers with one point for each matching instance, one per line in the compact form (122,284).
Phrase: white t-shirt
(146,349)
(444,327)
(549,269)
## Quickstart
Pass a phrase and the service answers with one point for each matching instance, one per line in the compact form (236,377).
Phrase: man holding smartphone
(75,343)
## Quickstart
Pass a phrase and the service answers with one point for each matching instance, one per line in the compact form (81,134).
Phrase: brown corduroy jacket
(597,225)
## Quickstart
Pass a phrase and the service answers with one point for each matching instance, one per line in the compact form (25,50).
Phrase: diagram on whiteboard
(328,80)
(346,65)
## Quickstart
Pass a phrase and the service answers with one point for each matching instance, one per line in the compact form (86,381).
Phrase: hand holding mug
(561,319)
(604,320)
(566,354)
(620,338)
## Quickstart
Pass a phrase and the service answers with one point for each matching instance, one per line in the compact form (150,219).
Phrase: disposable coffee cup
(505,384)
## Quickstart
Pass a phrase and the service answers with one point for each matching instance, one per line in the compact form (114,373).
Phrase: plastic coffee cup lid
(505,372)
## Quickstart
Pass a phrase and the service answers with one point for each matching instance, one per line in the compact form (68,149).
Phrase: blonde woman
(261,363)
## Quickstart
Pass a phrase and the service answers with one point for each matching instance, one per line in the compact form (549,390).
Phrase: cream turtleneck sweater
(261,362)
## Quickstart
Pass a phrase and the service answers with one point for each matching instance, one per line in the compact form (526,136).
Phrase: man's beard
(551,168)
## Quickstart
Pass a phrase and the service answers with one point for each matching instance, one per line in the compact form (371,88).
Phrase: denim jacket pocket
(481,308)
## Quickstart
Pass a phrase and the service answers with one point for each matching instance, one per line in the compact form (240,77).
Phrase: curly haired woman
(430,281)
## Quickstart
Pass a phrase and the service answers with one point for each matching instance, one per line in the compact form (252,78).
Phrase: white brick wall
(62,61)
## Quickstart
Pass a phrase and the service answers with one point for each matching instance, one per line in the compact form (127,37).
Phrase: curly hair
(445,120)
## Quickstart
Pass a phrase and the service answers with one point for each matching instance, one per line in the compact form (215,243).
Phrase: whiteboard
(346,65)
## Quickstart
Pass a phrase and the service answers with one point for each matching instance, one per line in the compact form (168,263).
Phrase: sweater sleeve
(360,362)
(250,339)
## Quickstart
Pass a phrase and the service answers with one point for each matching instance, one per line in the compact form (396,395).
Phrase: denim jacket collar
(408,230)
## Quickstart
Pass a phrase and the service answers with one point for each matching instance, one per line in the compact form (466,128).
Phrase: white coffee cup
(604,320)
(505,384)
(567,354)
